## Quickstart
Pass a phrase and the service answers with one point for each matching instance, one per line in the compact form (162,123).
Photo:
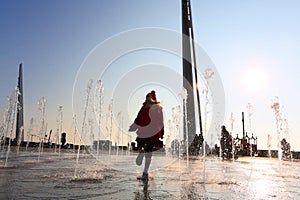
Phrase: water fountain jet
(42,107)
(12,116)
(98,109)
(82,134)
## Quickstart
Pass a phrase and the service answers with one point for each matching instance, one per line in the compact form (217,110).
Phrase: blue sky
(261,38)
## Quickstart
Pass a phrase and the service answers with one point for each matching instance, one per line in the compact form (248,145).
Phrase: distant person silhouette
(286,149)
(149,127)
(63,139)
(226,143)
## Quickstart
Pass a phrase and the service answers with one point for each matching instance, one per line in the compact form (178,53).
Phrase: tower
(20,108)
(189,74)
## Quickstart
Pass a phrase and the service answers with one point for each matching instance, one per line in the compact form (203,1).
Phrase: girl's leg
(148,157)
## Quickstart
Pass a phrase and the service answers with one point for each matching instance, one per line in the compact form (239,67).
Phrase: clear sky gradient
(253,44)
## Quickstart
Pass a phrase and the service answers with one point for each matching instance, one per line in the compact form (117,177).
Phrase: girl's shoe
(139,158)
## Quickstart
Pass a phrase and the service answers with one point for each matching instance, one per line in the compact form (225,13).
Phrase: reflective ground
(50,175)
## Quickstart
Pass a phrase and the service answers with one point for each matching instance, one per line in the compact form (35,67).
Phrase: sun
(254,79)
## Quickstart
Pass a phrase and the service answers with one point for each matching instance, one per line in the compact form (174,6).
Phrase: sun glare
(254,79)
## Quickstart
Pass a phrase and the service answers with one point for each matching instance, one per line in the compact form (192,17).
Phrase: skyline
(246,41)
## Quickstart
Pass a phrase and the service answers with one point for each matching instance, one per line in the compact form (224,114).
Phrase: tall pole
(20,108)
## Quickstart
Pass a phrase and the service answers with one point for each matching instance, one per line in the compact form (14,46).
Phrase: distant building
(103,144)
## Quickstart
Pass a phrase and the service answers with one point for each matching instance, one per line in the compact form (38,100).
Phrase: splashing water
(42,107)
(29,131)
(6,125)
(282,131)
(110,113)
(59,127)
(286,133)
(98,109)
(250,113)
(88,90)
(276,107)
(12,115)
(91,136)
(269,145)
(208,74)
(119,117)
(231,120)
(184,96)
(176,116)
(19,139)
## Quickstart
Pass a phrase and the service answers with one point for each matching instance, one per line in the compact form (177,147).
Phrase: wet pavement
(50,175)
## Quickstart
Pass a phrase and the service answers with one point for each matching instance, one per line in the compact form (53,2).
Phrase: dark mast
(188,52)
(20,108)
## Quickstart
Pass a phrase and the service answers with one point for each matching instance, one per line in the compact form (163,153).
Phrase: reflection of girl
(149,128)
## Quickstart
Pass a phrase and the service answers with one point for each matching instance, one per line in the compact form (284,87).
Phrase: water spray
(88,90)
(184,96)
(250,113)
(208,74)
(110,110)
(41,108)
(99,90)
(276,107)
(12,115)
